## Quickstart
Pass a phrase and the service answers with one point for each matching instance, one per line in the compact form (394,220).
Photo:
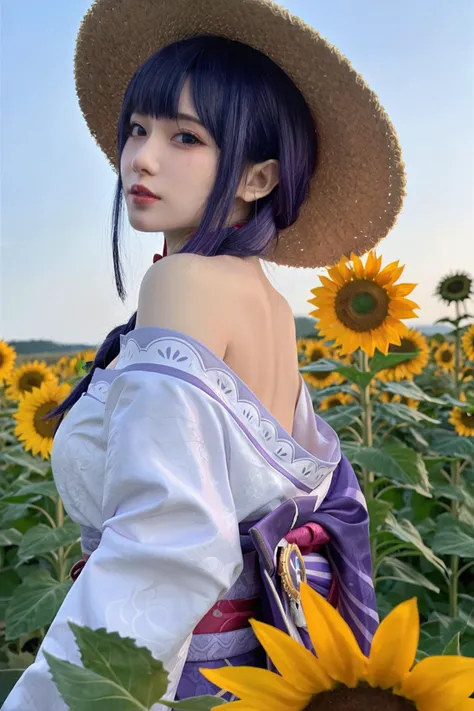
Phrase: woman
(205,486)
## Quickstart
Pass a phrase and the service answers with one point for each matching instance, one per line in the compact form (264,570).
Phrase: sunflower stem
(455,474)
(61,552)
(367,435)
(457,355)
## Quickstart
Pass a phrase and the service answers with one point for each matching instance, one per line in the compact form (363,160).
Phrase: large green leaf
(35,604)
(122,662)
(453,537)
(449,444)
(11,512)
(453,648)
(10,537)
(42,488)
(406,531)
(397,411)
(396,462)
(84,690)
(322,365)
(378,512)
(32,464)
(380,361)
(43,539)
(359,377)
(340,417)
(197,703)
(399,570)
(408,389)
(8,679)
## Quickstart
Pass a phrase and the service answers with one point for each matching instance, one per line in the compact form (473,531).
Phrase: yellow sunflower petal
(391,660)
(386,276)
(358,266)
(344,269)
(258,687)
(333,640)
(295,663)
(371,265)
(328,283)
(236,706)
(399,290)
(439,683)
(336,276)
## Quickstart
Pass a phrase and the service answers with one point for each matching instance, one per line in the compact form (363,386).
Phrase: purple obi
(332,540)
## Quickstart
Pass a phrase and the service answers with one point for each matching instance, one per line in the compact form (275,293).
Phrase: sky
(57,187)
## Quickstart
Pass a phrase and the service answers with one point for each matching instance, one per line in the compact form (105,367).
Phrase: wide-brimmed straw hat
(359,184)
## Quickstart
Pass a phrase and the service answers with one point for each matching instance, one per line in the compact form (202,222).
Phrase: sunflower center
(2,360)
(28,381)
(334,402)
(456,286)
(467,418)
(362,305)
(360,699)
(45,428)
(406,346)
(446,356)
(315,355)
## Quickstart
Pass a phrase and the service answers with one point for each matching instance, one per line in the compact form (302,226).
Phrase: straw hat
(359,184)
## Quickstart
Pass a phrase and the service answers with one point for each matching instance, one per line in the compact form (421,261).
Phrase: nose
(145,160)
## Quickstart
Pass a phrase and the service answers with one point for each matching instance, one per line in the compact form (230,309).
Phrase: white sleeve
(170,542)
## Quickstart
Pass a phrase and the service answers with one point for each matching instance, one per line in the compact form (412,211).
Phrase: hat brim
(358,187)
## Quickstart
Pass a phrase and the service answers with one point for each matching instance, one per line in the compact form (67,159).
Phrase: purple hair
(254,112)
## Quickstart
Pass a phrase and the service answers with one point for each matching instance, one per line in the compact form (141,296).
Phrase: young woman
(205,486)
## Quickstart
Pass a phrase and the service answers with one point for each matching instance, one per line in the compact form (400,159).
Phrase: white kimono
(163,457)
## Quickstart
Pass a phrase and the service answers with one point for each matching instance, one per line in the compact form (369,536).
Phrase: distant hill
(34,347)
(305,327)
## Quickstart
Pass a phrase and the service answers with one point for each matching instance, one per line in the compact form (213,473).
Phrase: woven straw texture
(359,185)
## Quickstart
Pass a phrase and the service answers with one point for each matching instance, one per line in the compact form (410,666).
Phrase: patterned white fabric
(165,455)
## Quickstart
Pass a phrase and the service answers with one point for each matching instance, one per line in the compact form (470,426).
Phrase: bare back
(261,346)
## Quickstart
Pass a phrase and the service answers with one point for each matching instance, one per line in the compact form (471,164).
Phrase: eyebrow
(188,117)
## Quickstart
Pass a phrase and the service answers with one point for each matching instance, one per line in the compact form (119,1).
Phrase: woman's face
(176,159)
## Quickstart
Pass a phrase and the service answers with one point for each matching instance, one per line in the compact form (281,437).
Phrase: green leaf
(197,703)
(122,662)
(453,537)
(399,570)
(359,377)
(43,488)
(340,417)
(8,679)
(378,512)
(396,462)
(381,362)
(11,512)
(32,464)
(453,648)
(84,690)
(408,389)
(322,365)
(398,411)
(43,539)
(451,445)
(10,537)
(406,531)
(35,604)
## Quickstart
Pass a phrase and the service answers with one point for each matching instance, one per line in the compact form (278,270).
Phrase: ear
(258,180)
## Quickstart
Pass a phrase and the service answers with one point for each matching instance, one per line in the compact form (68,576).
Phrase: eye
(131,128)
(189,139)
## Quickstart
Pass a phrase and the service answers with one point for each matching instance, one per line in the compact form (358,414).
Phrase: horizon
(57,276)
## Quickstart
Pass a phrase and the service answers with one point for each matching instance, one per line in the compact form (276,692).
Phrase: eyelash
(181,133)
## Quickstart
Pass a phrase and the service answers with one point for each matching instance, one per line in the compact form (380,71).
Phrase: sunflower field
(403,407)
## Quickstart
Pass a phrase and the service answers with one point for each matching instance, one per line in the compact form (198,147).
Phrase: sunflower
(456,287)
(311,351)
(335,401)
(462,420)
(7,360)
(468,343)
(393,397)
(36,433)
(467,374)
(412,342)
(361,307)
(341,677)
(26,377)
(445,356)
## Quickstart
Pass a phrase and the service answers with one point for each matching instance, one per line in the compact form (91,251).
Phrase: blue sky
(57,188)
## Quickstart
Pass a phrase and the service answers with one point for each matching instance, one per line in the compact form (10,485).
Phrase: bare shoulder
(184,293)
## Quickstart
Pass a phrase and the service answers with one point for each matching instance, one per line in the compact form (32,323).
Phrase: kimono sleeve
(170,544)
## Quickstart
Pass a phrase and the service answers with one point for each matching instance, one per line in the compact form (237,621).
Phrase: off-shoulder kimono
(186,488)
